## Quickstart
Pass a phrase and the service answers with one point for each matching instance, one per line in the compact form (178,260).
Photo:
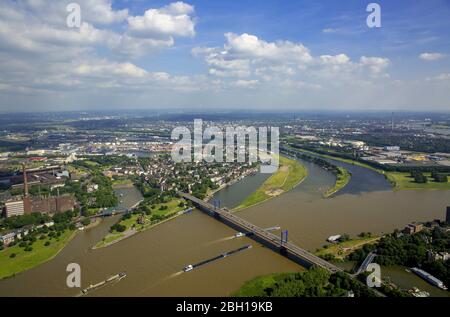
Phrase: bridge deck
(263,234)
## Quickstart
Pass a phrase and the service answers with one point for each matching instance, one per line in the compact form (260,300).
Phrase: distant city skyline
(210,55)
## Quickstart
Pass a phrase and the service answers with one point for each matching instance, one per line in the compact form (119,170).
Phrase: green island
(289,174)
(342,178)
(39,246)
(399,180)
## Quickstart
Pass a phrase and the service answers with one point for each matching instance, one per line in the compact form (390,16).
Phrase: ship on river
(116,277)
(429,278)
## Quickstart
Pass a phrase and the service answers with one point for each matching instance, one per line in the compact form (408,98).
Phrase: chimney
(25,181)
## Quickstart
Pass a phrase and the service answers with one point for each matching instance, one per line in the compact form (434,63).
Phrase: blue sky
(225,54)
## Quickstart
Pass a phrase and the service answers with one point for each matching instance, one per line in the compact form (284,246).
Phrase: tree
(420,178)
(85,221)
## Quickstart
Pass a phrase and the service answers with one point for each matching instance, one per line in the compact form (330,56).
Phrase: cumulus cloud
(376,64)
(106,69)
(245,58)
(42,58)
(36,27)
(40,54)
(247,45)
(431,56)
(171,20)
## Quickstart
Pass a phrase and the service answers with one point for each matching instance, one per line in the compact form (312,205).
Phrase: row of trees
(421,179)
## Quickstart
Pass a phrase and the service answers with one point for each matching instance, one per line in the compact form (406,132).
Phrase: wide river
(155,258)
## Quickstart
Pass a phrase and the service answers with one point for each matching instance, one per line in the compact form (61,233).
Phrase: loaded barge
(109,280)
(429,278)
(190,267)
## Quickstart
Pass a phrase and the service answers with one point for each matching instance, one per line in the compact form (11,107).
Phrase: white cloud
(286,64)
(101,12)
(376,64)
(431,56)
(106,69)
(171,20)
(251,46)
(42,58)
(335,60)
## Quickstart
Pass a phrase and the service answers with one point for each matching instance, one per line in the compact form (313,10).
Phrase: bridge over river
(277,243)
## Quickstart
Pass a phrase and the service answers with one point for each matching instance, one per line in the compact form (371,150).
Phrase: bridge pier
(283,251)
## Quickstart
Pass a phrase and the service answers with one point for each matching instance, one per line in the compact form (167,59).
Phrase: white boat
(188,268)
(334,238)
(239,234)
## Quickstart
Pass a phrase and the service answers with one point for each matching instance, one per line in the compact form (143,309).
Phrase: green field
(405,181)
(26,260)
(342,249)
(154,218)
(255,287)
(122,182)
(289,174)
(342,180)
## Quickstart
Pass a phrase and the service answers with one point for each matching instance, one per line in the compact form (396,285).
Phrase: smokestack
(392,121)
(25,181)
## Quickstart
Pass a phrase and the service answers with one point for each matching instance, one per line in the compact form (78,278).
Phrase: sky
(224,54)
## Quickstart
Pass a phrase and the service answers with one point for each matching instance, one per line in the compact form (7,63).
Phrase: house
(413,228)
(8,238)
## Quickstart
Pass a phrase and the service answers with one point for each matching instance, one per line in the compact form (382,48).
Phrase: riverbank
(398,180)
(212,192)
(339,251)
(342,179)
(256,286)
(21,261)
(289,174)
(134,223)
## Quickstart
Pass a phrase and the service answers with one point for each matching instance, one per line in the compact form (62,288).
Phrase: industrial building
(27,204)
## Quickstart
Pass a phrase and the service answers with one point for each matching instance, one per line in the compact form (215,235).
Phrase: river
(153,259)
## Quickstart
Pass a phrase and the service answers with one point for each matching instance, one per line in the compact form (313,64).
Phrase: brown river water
(154,259)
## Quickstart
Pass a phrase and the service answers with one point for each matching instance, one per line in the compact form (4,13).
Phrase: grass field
(289,174)
(122,182)
(172,209)
(342,180)
(342,249)
(26,260)
(255,287)
(405,181)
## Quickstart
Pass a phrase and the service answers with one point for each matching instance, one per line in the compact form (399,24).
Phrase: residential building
(14,208)
(8,238)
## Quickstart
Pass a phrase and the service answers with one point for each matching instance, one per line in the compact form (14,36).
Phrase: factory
(28,204)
